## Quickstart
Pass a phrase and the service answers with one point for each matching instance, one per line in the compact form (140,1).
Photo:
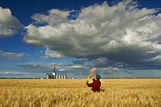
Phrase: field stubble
(74,92)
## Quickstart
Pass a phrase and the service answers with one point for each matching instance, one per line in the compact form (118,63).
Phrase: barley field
(75,93)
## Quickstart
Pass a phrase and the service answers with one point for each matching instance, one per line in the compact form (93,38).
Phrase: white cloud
(77,66)
(122,32)
(6,73)
(111,69)
(52,54)
(8,23)
(55,17)
(80,66)
(61,69)
(11,55)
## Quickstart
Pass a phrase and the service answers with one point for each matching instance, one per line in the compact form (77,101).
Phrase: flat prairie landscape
(75,93)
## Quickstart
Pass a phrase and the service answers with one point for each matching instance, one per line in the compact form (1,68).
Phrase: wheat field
(75,93)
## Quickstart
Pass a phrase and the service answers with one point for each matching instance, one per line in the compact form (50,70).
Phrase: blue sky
(119,38)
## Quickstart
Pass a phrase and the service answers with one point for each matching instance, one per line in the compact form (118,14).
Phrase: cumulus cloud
(11,55)
(54,17)
(8,23)
(52,54)
(121,33)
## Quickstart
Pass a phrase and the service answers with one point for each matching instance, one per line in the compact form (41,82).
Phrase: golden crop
(75,93)
(92,71)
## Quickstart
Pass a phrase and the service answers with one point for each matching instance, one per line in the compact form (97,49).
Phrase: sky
(120,38)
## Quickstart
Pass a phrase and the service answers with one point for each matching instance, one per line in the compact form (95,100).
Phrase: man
(96,84)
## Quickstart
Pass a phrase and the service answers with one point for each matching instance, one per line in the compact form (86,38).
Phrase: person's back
(96,84)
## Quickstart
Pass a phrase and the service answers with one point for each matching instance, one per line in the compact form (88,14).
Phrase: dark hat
(98,76)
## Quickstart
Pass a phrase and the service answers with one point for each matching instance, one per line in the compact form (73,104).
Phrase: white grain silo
(61,76)
(57,77)
(53,75)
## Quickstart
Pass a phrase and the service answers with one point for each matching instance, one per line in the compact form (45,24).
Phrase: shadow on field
(102,90)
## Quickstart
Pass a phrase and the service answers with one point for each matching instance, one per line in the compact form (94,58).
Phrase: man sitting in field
(96,84)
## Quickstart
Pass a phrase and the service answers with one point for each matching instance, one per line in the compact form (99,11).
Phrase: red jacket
(96,84)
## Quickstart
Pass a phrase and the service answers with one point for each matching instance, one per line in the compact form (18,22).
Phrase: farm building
(53,75)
